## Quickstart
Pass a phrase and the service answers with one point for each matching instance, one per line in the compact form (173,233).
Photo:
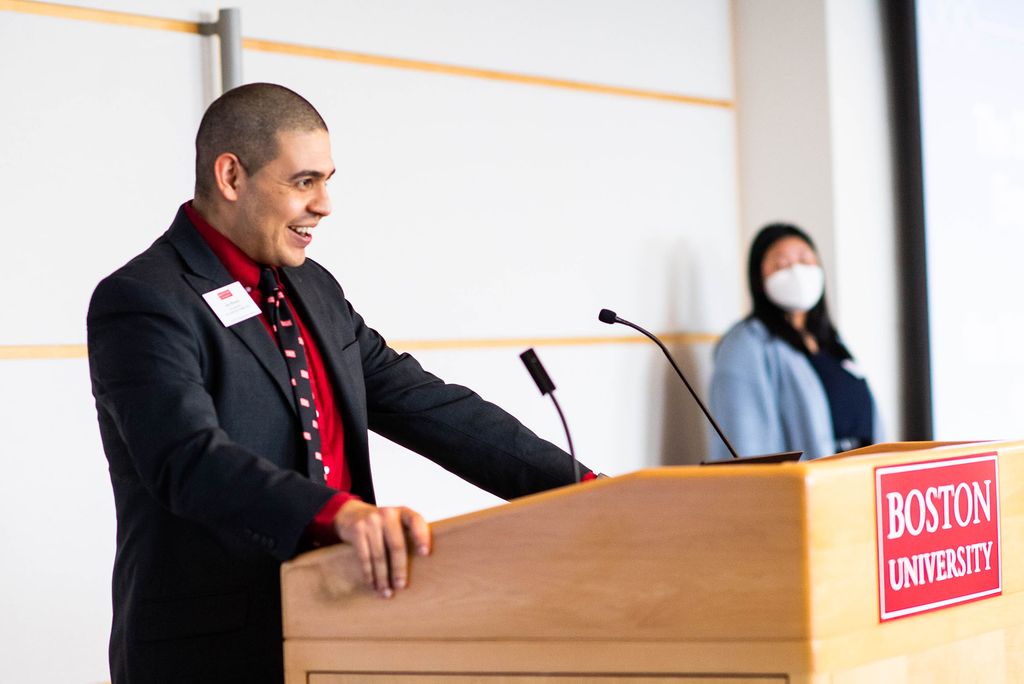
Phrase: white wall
(464,209)
(782,101)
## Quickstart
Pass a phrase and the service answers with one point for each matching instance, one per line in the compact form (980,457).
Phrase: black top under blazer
(207,463)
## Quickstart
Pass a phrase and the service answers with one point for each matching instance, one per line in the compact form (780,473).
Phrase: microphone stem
(686,382)
(568,437)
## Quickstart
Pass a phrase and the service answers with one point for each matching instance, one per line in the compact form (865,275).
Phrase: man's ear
(229,175)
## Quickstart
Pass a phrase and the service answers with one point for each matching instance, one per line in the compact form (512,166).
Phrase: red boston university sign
(938,534)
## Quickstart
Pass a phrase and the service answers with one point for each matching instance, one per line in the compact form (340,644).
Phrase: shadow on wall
(677,419)
(684,428)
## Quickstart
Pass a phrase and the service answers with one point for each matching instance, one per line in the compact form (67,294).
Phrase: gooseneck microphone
(544,384)
(609,317)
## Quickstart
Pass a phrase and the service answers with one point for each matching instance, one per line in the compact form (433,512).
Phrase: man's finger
(394,537)
(363,552)
(419,530)
(378,554)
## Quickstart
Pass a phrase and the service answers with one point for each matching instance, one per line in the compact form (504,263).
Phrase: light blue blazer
(768,398)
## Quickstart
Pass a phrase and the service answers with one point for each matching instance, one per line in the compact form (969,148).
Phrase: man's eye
(305,183)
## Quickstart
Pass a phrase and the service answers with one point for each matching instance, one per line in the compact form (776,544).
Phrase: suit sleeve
(453,426)
(160,425)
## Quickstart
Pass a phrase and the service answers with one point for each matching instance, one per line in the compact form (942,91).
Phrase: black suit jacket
(207,464)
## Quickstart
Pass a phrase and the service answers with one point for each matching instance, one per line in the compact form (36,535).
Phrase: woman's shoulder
(745,343)
(750,341)
(748,333)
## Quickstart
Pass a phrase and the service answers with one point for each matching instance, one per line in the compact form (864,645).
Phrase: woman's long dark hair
(818,322)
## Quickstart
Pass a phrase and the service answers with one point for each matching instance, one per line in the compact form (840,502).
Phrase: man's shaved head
(245,121)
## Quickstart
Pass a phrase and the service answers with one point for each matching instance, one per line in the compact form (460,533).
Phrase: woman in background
(783,380)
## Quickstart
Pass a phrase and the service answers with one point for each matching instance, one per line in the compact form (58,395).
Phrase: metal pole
(228,29)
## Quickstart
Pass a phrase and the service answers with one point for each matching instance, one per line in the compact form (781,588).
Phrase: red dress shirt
(332,439)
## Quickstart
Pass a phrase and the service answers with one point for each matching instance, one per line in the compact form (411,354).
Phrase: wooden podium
(711,575)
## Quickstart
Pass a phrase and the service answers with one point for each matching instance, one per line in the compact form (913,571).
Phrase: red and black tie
(282,322)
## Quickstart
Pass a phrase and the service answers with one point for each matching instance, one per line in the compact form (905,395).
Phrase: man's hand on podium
(379,538)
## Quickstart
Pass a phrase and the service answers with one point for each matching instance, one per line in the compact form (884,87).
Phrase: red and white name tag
(232,304)
(938,534)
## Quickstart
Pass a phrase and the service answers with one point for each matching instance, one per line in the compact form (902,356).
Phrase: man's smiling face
(279,205)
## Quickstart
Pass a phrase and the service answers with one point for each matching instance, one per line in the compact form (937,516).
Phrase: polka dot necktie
(282,322)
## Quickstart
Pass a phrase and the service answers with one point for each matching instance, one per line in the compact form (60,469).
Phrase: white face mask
(797,288)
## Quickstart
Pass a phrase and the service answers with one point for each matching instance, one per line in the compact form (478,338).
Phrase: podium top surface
(783,552)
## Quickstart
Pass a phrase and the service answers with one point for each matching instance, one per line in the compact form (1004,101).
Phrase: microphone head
(607,316)
(537,372)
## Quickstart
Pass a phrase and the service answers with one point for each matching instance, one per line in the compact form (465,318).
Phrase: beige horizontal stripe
(43,351)
(78,351)
(51,9)
(473,72)
(667,338)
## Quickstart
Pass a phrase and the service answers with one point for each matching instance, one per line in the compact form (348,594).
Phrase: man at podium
(234,387)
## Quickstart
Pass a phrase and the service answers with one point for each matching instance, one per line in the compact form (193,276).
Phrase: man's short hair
(245,121)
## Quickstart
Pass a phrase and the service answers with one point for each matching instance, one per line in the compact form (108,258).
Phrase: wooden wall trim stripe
(474,72)
(524,342)
(51,9)
(42,351)
(78,351)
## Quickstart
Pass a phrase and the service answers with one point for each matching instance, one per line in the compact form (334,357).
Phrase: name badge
(232,304)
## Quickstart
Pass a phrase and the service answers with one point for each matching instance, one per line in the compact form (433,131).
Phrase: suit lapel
(208,273)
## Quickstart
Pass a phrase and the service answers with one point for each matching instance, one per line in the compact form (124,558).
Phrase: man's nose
(321,202)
